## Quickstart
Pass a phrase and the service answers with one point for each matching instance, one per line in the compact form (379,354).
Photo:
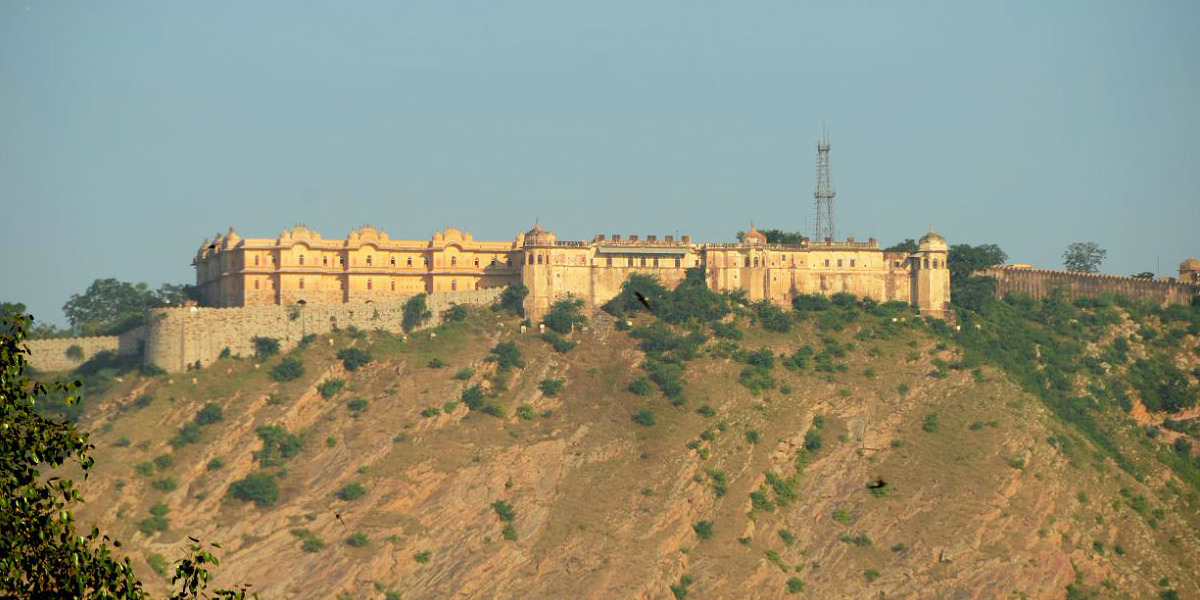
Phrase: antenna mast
(823,195)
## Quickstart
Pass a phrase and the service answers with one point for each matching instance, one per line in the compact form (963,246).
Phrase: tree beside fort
(1084,257)
(111,307)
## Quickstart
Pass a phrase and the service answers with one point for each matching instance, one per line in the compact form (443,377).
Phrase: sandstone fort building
(301,267)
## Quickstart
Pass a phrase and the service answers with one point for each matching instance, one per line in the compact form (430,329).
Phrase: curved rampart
(1038,283)
(179,337)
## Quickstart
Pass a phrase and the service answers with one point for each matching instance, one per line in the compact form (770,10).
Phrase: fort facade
(299,266)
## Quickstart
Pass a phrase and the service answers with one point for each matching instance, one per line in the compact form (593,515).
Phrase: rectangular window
(852,263)
(656,263)
(324,261)
(827,263)
(477,263)
(408,262)
(839,263)
(256,260)
(677,263)
(301,283)
(256,284)
(368,260)
(608,262)
(393,261)
(629,261)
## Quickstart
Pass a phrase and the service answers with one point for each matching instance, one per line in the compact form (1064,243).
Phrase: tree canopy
(109,306)
(777,236)
(908,246)
(1084,257)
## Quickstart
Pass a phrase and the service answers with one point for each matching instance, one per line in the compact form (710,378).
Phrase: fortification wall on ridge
(1037,283)
(51,354)
(179,337)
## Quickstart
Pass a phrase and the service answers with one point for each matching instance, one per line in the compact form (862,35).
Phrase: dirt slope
(989,499)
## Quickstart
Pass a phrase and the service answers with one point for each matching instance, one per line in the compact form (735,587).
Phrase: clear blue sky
(130,131)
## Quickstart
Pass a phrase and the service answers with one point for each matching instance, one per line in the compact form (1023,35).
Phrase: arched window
(629,261)
(677,263)
(256,284)
(656,263)
(324,261)
(852,263)
(454,261)
(476,262)
(425,261)
(747,261)
(827,263)
(341,261)
(539,259)
(643,261)
(927,263)
(301,283)
(302,260)
(935,263)
(608,262)
(392,261)
(368,260)
(368,283)
(454,285)
(256,260)
(408,263)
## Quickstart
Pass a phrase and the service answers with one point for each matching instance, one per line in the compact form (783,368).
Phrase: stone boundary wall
(51,354)
(1037,283)
(179,337)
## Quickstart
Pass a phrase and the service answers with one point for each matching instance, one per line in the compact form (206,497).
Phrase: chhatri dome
(932,241)
(538,236)
(754,236)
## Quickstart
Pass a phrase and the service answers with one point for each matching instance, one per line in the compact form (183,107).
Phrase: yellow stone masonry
(299,266)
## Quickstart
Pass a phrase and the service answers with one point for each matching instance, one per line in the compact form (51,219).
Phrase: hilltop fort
(301,267)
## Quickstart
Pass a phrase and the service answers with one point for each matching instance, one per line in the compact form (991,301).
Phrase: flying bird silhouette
(338,516)
(643,300)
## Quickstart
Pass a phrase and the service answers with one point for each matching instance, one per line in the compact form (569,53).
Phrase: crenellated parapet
(1039,283)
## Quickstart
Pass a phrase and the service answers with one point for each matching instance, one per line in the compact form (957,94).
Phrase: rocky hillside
(865,454)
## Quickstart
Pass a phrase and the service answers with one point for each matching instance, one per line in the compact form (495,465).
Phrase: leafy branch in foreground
(41,553)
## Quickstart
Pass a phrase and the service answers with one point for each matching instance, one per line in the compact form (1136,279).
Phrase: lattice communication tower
(823,195)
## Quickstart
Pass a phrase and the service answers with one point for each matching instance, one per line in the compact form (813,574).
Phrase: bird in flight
(642,299)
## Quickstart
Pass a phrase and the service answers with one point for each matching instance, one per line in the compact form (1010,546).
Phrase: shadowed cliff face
(988,498)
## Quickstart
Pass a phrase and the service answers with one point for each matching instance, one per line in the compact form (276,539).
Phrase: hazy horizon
(136,130)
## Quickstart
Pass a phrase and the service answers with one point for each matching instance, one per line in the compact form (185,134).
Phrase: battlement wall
(179,337)
(51,354)
(1038,283)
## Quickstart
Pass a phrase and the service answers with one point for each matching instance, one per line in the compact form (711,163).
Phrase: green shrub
(504,510)
(858,540)
(525,412)
(288,369)
(550,387)
(473,397)
(706,411)
(902,389)
(494,410)
(795,585)
(506,356)
(455,314)
(509,532)
(153,525)
(210,414)
(144,469)
(435,363)
(703,529)
(727,331)
(842,516)
(312,544)
(787,537)
(143,401)
(159,510)
(641,387)
(431,411)
(870,575)
(350,492)
(422,557)
(122,442)
(353,358)
(188,434)
(644,418)
(753,436)
(512,300)
(416,313)
(330,387)
(278,445)
(157,563)
(930,425)
(449,407)
(812,440)
(216,464)
(258,487)
(561,345)
(759,501)
(166,484)
(464,374)
(164,461)
(357,540)
(265,347)
(357,406)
